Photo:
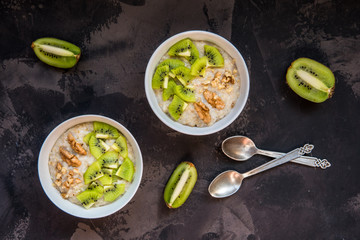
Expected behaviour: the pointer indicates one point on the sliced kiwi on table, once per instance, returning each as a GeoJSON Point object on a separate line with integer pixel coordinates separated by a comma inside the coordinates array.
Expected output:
{"type": "Point", "coordinates": [93, 173]}
{"type": "Point", "coordinates": [107, 178]}
{"type": "Point", "coordinates": [87, 198]}
{"type": "Point", "coordinates": [96, 187]}
{"type": "Point", "coordinates": [97, 147]}
{"type": "Point", "coordinates": [214, 57]}
{"type": "Point", "coordinates": [310, 80]}
{"type": "Point", "coordinates": [109, 159]}
{"type": "Point", "coordinates": [120, 145]}
{"type": "Point", "coordinates": [112, 192]}
{"type": "Point", "coordinates": [87, 137]}
{"type": "Point", "coordinates": [185, 93]}
{"type": "Point", "coordinates": [172, 63]}
{"type": "Point", "coordinates": [199, 67]}
{"type": "Point", "coordinates": [169, 91]}
{"type": "Point", "coordinates": [183, 74]}
{"type": "Point", "coordinates": [160, 74]}
{"type": "Point", "coordinates": [184, 48]}
{"type": "Point", "coordinates": [126, 170]}
{"type": "Point", "coordinates": [180, 185]}
{"type": "Point", "coordinates": [177, 107]}
{"type": "Point", "coordinates": [105, 131]}
{"type": "Point", "coordinates": [56, 52]}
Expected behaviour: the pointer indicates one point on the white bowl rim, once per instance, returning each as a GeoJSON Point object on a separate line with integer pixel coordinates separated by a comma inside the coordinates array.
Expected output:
{"type": "Point", "coordinates": [54, 195]}
{"type": "Point", "coordinates": [220, 124]}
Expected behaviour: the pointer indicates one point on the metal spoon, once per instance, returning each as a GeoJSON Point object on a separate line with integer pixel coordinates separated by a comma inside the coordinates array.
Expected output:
{"type": "Point", "coordinates": [229, 182]}
{"type": "Point", "coordinates": [241, 148]}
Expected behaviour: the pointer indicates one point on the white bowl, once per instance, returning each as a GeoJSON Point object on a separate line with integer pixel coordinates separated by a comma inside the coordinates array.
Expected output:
{"type": "Point", "coordinates": [241, 67]}
{"type": "Point", "coordinates": [53, 193]}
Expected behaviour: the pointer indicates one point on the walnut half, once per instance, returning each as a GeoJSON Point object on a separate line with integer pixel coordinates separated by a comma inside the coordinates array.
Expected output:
{"type": "Point", "coordinates": [214, 100]}
{"type": "Point", "coordinates": [203, 112]}
{"type": "Point", "coordinates": [69, 158]}
{"type": "Point", "coordinates": [77, 147]}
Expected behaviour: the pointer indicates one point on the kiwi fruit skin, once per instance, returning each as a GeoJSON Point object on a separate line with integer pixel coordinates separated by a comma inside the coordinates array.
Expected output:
{"type": "Point", "coordinates": [159, 76]}
{"type": "Point", "coordinates": [214, 57]}
{"type": "Point", "coordinates": [93, 173]}
{"type": "Point", "coordinates": [111, 193]}
{"type": "Point", "coordinates": [126, 170]}
{"type": "Point", "coordinates": [199, 67]}
{"type": "Point", "coordinates": [177, 107]}
{"type": "Point", "coordinates": [186, 188]}
{"type": "Point", "coordinates": [69, 59]}
{"type": "Point", "coordinates": [319, 84]}
{"type": "Point", "coordinates": [185, 93]}
{"type": "Point", "coordinates": [105, 131]}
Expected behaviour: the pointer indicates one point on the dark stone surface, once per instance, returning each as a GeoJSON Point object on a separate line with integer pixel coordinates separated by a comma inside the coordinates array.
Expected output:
{"type": "Point", "coordinates": [117, 39]}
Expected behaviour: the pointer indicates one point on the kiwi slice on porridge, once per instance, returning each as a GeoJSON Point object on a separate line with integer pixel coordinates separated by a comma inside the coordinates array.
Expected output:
{"type": "Point", "coordinates": [184, 48]}
{"type": "Point", "coordinates": [96, 187]}
{"type": "Point", "coordinates": [113, 192]}
{"type": "Point", "coordinates": [97, 147]}
{"type": "Point", "coordinates": [109, 160]}
{"type": "Point", "coordinates": [87, 137]}
{"type": "Point", "coordinates": [107, 178]}
{"type": "Point", "coordinates": [105, 131]}
{"type": "Point", "coordinates": [182, 73]}
{"type": "Point", "coordinates": [169, 91]}
{"type": "Point", "coordinates": [199, 67]}
{"type": "Point", "coordinates": [126, 170]}
{"type": "Point", "coordinates": [177, 107]}
{"type": "Point", "coordinates": [172, 63]}
{"type": "Point", "coordinates": [214, 57]}
{"type": "Point", "coordinates": [92, 173]}
{"type": "Point", "coordinates": [87, 198]}
{"type": "Point", "coordinates": [185, 93]}
{"type": "Point", "coordinates": [160, 74]}
{"type": "Point", "coordinates": [120, 145]}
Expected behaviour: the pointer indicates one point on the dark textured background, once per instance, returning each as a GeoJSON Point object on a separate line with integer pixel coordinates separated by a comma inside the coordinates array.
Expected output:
{"type": "Point", "coordinates": [117, 39]}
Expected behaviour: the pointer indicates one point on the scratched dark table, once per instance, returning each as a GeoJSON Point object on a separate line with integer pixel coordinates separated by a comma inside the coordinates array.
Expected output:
{"type": "Point", "coordinates": [117, 39]}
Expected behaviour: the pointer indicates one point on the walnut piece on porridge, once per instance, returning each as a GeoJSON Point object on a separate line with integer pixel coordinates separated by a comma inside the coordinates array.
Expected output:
{"type": "Point", "coordinates": [203, 112]}
{"type": "Point", "coordinates": [228, 78]}
{"type": "Point", "coordinates": [214, 100]}
{"type": "Point", "coordinates": [69, 158]}
{"type": "Point", "coordinates": [77, 147]}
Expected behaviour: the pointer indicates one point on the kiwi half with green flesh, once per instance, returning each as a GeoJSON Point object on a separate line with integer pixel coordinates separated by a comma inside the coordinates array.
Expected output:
{"type": "Point", "coordinates": [169, 91]}
{"type": "Point", "coordinates": [92, 173]}
{"type": "Point", "coordinates": [111, 193]}
{"type": "Point", "coordinates": [109, 159]}
{"type": "Point", "coordinates": [199, 67]}
{"type": "Point", "coordinates": [87, 137]}
{"type": "Point", "coordinates": [96, 187]}
{"type": "Point", "coordinates": [159, 76]}
{"type": "Point", "coordinates": [105, 131]}
{"type": "Point", "coordinates": [120, 145]}
{"type": "Point", "coordinates": [172, 63]}
{"type": "Point", "coordinates": [56, 52]}
{"type": "Point", "coordinates": [177, 107]}
{"type": "Point", "coordinates": [184, 48]}
{"type": "Point", "coordinates": [180, 185]}
{"type": "Point", "coordinates": [310, 80]}
{"type": "Point", "coordinates": [87, 198]}
{"type": "Point", "coordinates": [214, 57]}
{"type": "Point", "coordinates": [107, 178]}
{"type": "Point", "coordinates": [97, 147]}
{"type": "Point", "coordinates": [183, 74]}
{"type": "Point", "coordinates": [126, 170]}
{"type": "Point", "coordinates": [185, 93]}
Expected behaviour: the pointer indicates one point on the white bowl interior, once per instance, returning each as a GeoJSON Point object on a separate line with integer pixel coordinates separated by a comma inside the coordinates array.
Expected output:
{"type": "Point", "coordinates": [241, 67]}
{"type": "Point", "coordinates": [67, 206]}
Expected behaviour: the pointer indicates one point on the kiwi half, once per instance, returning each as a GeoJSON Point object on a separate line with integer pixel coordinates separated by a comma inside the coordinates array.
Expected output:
{"type": "Point", "coordinates": [199, 67]}
{"type": "Point", "coordinates": [111, 193]}
{"type": "Point", "coordinates": [105, 131]}
{"type": "Point", "coordinates": [180, 185]}
{"type": "Point", "coordinates": [177, 107]}
{"type": "Point", "coordinates": [92, 173]}
{"type": "Point", "coordinates": [310, 80]}
{"type": "Point", "coordinates": [214, 57]}
{"type": "Point", "coordinates": [185, 93]}
{"type": "Point", "coordinates": [56, 52]}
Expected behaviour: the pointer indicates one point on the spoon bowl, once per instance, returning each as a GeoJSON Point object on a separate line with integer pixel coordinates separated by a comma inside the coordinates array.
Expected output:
{"type": "Point", "coordinates": [239, 148]}
{"type": "Point", "coordinates": [226, 184]}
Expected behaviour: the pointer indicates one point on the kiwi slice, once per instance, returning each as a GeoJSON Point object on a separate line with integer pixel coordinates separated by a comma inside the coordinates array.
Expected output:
{"type": "Point", "coordinates": [109, 160]}
{"type": "Point", "coordinates": [214, 57]}
{"type": "Point", "coordinates": [180, 185]}
{"type": "Point", "coordinates": [107, 178]}
{"type": "Point", "coordinates": [87, 198]}
{"type": "Point", "coordinates": [184, 48]}
{"type": "Point", "coordinates": [177, 107]}
{"type": "Point", "coordinates": [92, 173]}
{"type": "Point", "coordinates": [199, 67]}
{"type": "Point", "coordinates": [160, 74]}
{"type": "Point", "coordinates": [169, 91]}
{"type": "Point", "coordinates": [56, 52]}
{"type": "Point", "coordinates": [97, 147]}
{"type": "Point", "coordinates": [114, 177]}
{"type": "Point", "coordinates": [310, 80]}
{"type": "Point", "coordinates": [120, 145]}
{"type": "Point", "coordinates": [172, 63]}
{"type": "Point", "coordinates": [96, 187]}
{"type": "Point", "coordinates": [126, 170]}
{"type": "Point", "coordinates": [105, 131]}
{"type": "Point", "coordinates": [113, 192]}
{"type": "Point", "coordinates": [185, 93]}
{"type": "Point", "coordinates": [183, 74]}
{"type": "Point", "coordinates": [87, 137]}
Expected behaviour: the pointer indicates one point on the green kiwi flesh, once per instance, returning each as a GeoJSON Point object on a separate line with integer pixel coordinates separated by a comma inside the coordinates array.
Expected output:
{"type": "Point", "coordinates": [199, 67]}
{"type": "Point", "coordinates": [107, 178]}
{"type": "Point", "coordinates": [56, 52]}
{"type": "Point", "coordinates": [183, 74]}
{"type": "Point", "coordinates": [169, 91]}
{"type": "Point", "coordinates": [109, 160]}
{"type": "Point", "coordinates": [126, 170]}
{"type": "Point", "coordinates": [172, 63]}
{"type": "Point", "coordinates": [185, 93]}
{"type": "Point", "coordinates": [97, 147]}
{"type": "Point", "coordinates": [160, 74]}
{"type": "Point", "coordinates": [177, 107]}
{"type": "Point", "coordinates": [311, 80]}
{"type": "Point", "coordinates": [120, 145]}
{"type": "Point", "coordinates": [111, 193]}
{"type": "Point", "coordinates": [105, 131]}
{"type": "Point", "coordinates": [87, 198]}
{"type": "Point", "coordinates": [96, 187]}
{"type": "Point", "coordinates": [92, 173]}
{"type": "Point", "coordinates": [180, 185]}
{"type": "Point", "coordinates": [184, 48]}
{"type": "Point", "coordinates": [87, 137]}
{"type": "Point", "coordinates": [214, 57]}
